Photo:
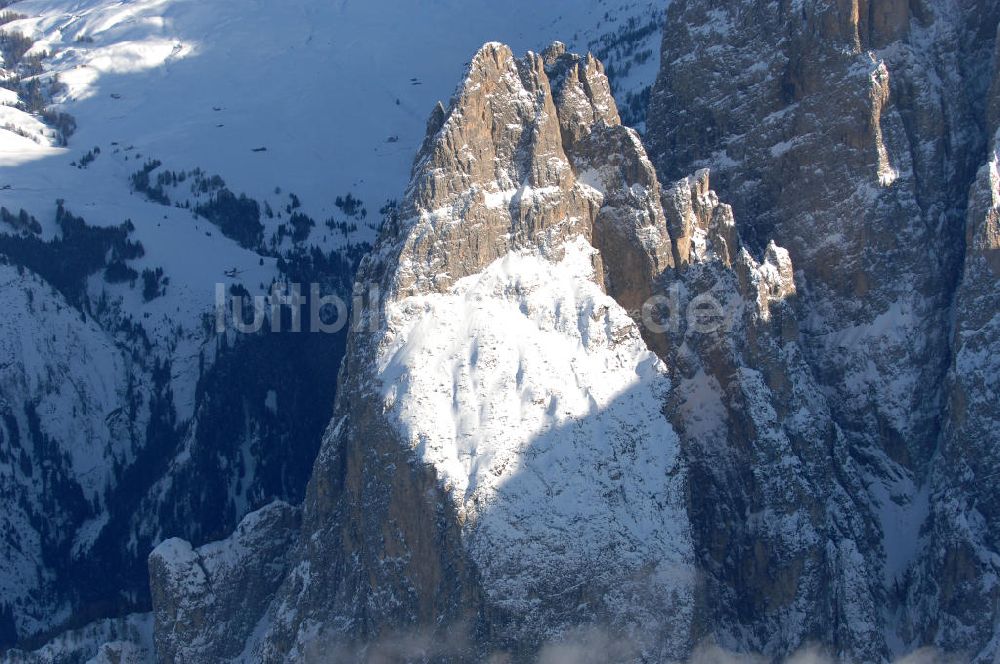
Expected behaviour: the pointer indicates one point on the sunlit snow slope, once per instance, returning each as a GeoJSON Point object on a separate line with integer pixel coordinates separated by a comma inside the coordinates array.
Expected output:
{"type": "Point", "coordinates": [534, 397]}
{"type": "Point", "coordinates": [337, 92]}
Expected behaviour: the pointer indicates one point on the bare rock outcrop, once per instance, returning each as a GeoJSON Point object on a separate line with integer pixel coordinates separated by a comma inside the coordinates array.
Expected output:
{"type": "Point", "coordinates": [208, 599]}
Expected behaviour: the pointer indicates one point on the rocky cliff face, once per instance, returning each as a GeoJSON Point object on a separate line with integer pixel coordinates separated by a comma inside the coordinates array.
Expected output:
{"type": "Point", "coordinates": [851, 134]}
{"type": "Point", "coordinates": [781, 541]}
{"type": "Point", "coordinates": [958, 575]}
{"type": "Point", "coordinates": [581, 397]}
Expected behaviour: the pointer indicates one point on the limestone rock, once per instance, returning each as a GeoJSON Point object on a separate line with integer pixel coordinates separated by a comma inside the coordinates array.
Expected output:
{"type": "Point", "coordinates": [850, 134]}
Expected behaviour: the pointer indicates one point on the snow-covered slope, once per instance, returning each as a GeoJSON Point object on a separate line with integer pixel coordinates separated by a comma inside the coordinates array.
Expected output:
{"type": "Point", "coordinates": [68, 371]}
{"type": "Point", "coordinates": [67, 366]}
{"type": "Point", "coordinates": [533, 396]}
{"type": "Point", "coordinates": [336, 92]}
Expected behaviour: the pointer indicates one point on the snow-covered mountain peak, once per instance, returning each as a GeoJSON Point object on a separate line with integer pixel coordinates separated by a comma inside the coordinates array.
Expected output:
{"type": "Point", "coordinates": [508, 379]}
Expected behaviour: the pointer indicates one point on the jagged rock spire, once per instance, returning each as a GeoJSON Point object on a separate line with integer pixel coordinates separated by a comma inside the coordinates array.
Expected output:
{"type": "Point", "coordinates": [530, 151]}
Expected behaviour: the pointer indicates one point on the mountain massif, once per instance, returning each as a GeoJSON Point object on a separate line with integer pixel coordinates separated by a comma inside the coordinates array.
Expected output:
{"type": "Point", "coordinates": [725, 390]}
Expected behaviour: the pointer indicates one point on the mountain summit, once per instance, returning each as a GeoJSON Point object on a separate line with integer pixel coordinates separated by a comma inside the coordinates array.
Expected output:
{"type": "Point", "coordinates": [498, 452]}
